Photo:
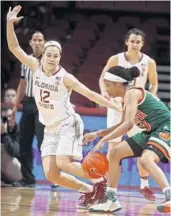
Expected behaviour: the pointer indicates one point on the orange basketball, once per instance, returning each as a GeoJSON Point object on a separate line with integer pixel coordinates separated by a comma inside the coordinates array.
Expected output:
{"type": "Point", "coordinates": [95, 165]}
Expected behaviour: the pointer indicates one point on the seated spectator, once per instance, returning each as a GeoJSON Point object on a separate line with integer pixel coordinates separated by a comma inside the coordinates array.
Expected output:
{"type": "Point", "coordinates": [10, 166]}
{"type": "Point", "coordinates": [10, 96]}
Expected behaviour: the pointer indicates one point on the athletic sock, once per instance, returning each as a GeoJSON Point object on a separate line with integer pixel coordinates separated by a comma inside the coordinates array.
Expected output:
{"type": "Point", "coordinates": [144, 182]}
{"type": "Point", "coordinates": [167, 193]}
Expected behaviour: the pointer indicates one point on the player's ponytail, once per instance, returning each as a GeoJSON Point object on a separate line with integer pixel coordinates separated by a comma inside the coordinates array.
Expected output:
{"type": "Point", "coordinates": [132, 73]}
{"type": "Point", "coordinates": [121, 74]}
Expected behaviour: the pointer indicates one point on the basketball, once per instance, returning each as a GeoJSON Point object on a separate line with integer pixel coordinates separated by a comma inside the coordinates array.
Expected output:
{"type": "Point", "coordinates": [95, 165]}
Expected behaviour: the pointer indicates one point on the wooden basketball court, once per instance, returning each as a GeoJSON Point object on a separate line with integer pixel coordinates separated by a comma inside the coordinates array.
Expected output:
{"type": "Point", "coordinates": [44, 201]}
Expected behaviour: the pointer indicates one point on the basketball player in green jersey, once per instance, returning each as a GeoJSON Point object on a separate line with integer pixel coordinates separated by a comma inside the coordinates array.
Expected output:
{"type": "Point", "coordinates": [134, 40]}
{"type": "Point", "coordinates": [152, 145]}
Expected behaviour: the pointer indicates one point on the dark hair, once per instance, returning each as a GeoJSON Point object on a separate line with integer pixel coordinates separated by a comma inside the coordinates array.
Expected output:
{"type": "Point", "coordinates": [136, 32]}
{"type": "Point", "coordinates": [126, 73]}
{"type": "Point", "coordinates": [38, 32]}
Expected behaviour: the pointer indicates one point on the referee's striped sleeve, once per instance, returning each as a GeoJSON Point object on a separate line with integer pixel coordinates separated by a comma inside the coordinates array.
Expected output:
{"type": "Point", "coordinates": [22, 73]}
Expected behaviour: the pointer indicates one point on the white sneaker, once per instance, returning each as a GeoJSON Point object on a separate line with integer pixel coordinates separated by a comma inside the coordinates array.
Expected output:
{"type": "Point", "coordinates": [115, 206]}
{"type": "Point", "coordinates": [101, 207]}
{"type": "Point", "coordinates": [110, 204]}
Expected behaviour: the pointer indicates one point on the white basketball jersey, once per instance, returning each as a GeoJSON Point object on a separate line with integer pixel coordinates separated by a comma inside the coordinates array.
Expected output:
{"type": "Point", "coordinates": [52, 97]}
{"type": "Point", "coordinates": [142, 65]}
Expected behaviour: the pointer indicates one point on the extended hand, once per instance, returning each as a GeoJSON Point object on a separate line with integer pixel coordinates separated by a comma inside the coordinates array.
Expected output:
{"type": "Point", "coordinates": [89, 137]}
{"type": "Point", "coordinates": [12, 15]}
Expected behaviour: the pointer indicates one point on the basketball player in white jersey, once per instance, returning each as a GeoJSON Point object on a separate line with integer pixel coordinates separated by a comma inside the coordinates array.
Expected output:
{"type": "Point", "coordinates": [63, 127]}
{"type": "Point", "coordinates": [134, 41]}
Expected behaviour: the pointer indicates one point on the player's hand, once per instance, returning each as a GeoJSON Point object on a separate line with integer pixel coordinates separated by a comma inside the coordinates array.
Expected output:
{"type": "Point", "coordinates": [89, 137]}
{"type": "Point", "coordinates": [12, 14]}
{"type": "Point", "coordinates": [98, 147]}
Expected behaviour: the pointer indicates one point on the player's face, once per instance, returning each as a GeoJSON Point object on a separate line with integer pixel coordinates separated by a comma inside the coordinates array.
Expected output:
{"type": "Point", "coordinates": [112, 88]}
{"type": "Point", "coordinates": [134, 43]}
{"type": "Point", "coordinates": [51, 57]}
{"type": "Point", "coordinates": [37, 43]}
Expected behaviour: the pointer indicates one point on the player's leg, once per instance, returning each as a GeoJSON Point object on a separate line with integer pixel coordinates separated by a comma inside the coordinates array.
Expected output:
{"type": "Point", "coordinates": [133, 147]}
{"type": "Point", "coordinates": [121, 151]}
{"type": "Point", "coordinates": [58, 142]}
{"type": "Point", "coordinates": [145, 190]}
{"type": "Point", "coordinates": [91, 193]}
{"type": "Point", "coordinates": [67, 164]}
{"type": "Point", "coordinates": [149, 160]}
{"type": "Point", "coordinates": [69, 148]}
{"type": "Point", "coordinates": [53, 174]}
{"type": "Point", "coordinates": [158, 150]}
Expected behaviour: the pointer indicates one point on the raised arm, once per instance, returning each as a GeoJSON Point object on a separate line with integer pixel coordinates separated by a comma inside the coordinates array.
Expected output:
{"type": "Point", "coordinates": [152, 77]}
{"type": "Point", "coordinates": [112, 61]}
{"type": "Point", "coordinates": [72, 83]}
{"type": "Point", "coordinates": [12, 41]}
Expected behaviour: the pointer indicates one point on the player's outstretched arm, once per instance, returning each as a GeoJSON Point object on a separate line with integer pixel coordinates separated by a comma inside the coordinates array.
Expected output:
{"type": "Point", "coordinates": [72, 83]}
{"type": "Point", "coordinates": [12, 41]}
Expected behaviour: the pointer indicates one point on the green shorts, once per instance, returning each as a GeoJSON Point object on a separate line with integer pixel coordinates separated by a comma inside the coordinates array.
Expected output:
{"type": "Point", "coordinates": [157, 141]}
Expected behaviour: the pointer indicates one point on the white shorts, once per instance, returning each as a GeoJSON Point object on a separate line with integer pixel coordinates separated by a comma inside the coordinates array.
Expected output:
{"type": "Point", "coordinates": [114, 117]}
{"type": "Point", "coordinates": [64, 138]}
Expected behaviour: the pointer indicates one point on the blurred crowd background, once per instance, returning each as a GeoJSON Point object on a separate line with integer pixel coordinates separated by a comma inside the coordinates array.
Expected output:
{"type": "Point", "coordinates": [90, 32]}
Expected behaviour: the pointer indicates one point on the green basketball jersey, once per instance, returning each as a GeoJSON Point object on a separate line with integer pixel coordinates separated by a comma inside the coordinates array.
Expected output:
{"type": "Point", "coordinates": [151, 113]}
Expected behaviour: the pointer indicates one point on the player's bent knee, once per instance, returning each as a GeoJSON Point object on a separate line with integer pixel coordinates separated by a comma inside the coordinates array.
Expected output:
{"type": "Point", "coordinates": [145, 160]}
{"type": "Point", "coordinates": [52, 176]}
{"type": "Point", "coordinates": [63, 164]}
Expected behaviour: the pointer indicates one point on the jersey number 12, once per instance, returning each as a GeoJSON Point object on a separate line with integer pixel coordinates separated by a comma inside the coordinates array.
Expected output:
{"type": "Point", "coordinates": [44, 96]}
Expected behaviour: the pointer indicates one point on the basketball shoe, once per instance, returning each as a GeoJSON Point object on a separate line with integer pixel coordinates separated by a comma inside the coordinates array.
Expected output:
{"type": "Point", "coordinates": [98, 194]}
{"type": "Point", "coordinates": [165, 206]}
{"type": "Point", "coordinates": [148, 193]}
{"type": "Point", "coordinates": [109, 204]}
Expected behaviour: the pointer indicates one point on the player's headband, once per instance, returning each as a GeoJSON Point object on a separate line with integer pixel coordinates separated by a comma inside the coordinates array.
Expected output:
{"type": "Point", "coordinates": [53, 43]}
{"type": "Point", "coordinates": [114, 78]}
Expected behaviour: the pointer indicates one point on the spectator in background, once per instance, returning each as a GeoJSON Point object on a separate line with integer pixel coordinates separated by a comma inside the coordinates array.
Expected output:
{"type": "Point", "coordinates": [10, 96]}
{"type": "Point", "coordinates": [29, 125]}
{"type": "Point", "coordinates": [10, 166]}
